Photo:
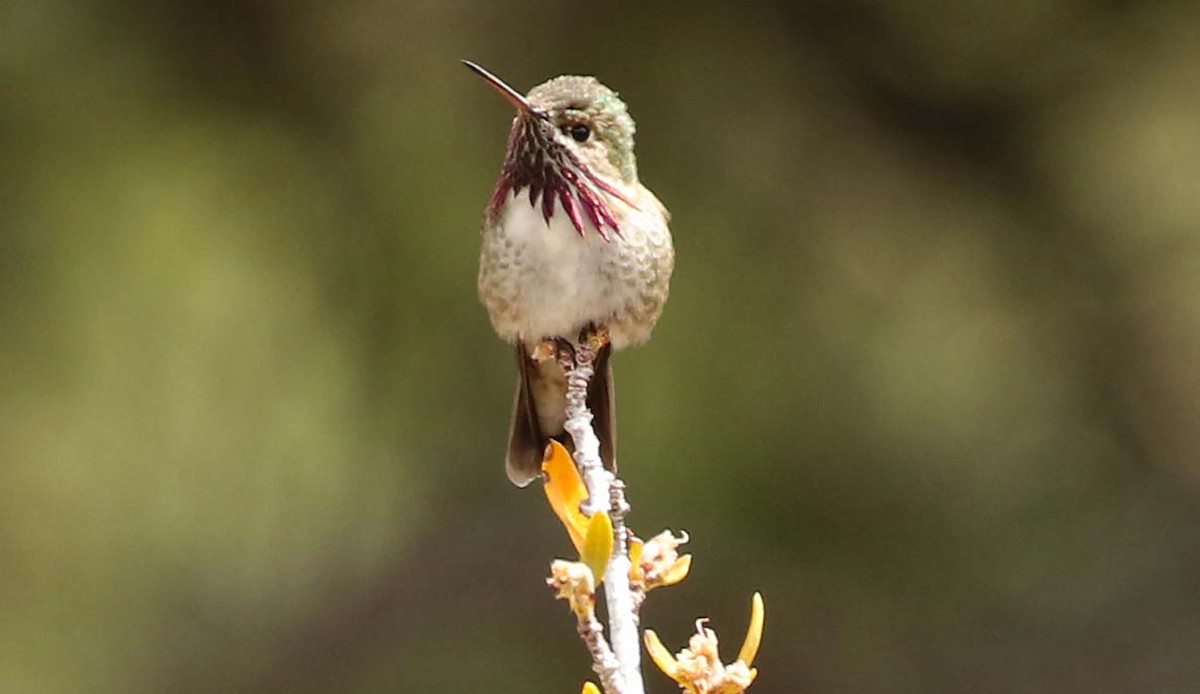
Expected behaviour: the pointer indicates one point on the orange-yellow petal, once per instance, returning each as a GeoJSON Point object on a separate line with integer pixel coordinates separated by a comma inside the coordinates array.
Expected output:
{"type": "Point", "coordinates": [660, 655]}
{"type": "Point", "coordinates": [635, 560]}
{"type": "Point", "coordinates": [753, 632]}
{"type": "Point", "coordinates": [678, 571]}
{"type": "Point", "coordinates": [565, 491]}
{"type": "Point", "coordinates": [635, 550]}
{"type": "Point", "coordinates": [589, 688]}
{"type": "Point", "coordinates": [598, 544]}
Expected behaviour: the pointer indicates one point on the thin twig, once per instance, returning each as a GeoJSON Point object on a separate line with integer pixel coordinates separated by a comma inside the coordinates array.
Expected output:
{"type": "Point", "coordinates": [604, 662]}
{"type": "Point", "coordinates": [605, 493]}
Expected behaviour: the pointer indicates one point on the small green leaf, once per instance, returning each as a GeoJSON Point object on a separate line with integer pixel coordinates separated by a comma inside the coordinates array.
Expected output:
{"type": "Point", "coordinates": [598, 544]}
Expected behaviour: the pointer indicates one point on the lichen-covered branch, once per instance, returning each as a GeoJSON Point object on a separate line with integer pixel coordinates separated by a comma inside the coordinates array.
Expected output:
{"type": "Point", "coordinates": [591, 503]}
{"type": "Point", "coordinates": [605, 494]}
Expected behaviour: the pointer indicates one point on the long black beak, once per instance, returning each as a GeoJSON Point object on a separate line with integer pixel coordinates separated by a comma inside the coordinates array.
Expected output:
{"type": "Point", "coordinates": [514, 97]}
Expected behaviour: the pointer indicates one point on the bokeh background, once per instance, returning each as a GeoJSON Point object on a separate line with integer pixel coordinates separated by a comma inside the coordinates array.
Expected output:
{"type": "Point", "coordinates": [929, 377]}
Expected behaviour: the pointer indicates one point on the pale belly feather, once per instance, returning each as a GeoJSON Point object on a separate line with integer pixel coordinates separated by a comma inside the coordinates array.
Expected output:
{"type": "Point", "coordinates": [540, 280]}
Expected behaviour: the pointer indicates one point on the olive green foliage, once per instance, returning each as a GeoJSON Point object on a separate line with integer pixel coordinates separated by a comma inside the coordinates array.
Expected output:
{"type": "Point", "coordinates": [929, 377]}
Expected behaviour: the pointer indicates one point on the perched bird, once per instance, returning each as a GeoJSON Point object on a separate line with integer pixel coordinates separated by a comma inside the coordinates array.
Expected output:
{"type": "Point", "coordinates": [573, 244]}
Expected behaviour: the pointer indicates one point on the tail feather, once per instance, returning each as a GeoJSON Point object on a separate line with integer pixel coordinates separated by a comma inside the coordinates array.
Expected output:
{"type": "Point", "coordinates": [525, 441]}
{"type": "Point", "coordinates": [538, 415]}
{"type": "Point", "coordinates": [602, 401]}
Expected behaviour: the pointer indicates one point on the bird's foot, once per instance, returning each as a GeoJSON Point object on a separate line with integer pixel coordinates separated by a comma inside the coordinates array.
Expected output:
{"type": "Point", "coordinates": [544, 351]}
{"type": "Point", "coordinates": [595, 336]}
{"type": "Point", "coordinates": [565, 349]}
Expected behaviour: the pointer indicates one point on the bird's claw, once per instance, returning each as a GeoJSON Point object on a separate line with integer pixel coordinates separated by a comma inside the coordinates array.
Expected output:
{"type": "Point", "coordinates": [595, 336]}
{"type": "Point", "coordinates": [543, 351]}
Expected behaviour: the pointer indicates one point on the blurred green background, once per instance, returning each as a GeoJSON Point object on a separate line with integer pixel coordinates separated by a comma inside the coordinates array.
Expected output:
{"type": "Point", "coordinates": [929, 377]}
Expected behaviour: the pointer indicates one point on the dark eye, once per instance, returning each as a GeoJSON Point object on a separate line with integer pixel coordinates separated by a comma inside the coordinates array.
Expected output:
{"type": "Point", "coordinates": [580, 132]}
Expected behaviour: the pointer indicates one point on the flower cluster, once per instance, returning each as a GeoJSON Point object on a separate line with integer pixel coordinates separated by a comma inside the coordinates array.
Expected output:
{"type": "Point", "coordinates": [698, 669]}
{"type": "Point", "coordinates": [574, 582]}
{"type": "Point", "coordinates": [655, 563]}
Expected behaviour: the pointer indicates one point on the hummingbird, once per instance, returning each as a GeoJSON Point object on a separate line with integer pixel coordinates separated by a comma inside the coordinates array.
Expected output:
{"type": "Point", "coordinates": [574, 246]}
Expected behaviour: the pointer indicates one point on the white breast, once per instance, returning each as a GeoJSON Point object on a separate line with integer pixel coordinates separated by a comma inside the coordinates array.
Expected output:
{"type": "Point", "coordinates": [561, 281]}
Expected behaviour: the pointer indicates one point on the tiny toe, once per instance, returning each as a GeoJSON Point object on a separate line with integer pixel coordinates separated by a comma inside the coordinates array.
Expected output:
{"type": "Point", "coordinates": [543, 351]}
{"type": "Point", "coordinates": [596, 336]}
